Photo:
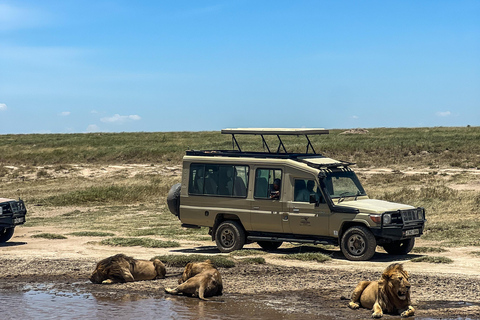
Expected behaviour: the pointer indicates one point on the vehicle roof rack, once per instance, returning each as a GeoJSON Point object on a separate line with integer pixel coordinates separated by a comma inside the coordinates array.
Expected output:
{"type": "Point", "coordinates": [276, 132]}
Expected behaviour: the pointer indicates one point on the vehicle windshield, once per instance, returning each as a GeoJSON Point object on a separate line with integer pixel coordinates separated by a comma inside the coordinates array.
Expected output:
{"type": "Point", "coordinates": [343, 183]}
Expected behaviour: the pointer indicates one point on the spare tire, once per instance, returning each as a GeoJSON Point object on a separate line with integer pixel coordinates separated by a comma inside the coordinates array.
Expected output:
{"type": "Point", "coordinates": [173, 199]}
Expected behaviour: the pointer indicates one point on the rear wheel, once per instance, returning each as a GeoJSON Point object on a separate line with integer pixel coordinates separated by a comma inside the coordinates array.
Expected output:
{"type": "Point", "coordinates": [358, 244]}
{"type": "Point", "coordinates": [269, 245]}
{"type": "Point", "coordinates": [230, 236]}
{"type": "Point", "coordinates": [6, 234]}
{"type": "Point", "coordinates": [400, 247]}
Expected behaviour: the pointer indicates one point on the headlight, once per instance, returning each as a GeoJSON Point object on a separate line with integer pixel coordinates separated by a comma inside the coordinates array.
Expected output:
{"type": "Point", "coordinates": [419, 214]}
{"type": "Point", "coordinates": [387, 218]}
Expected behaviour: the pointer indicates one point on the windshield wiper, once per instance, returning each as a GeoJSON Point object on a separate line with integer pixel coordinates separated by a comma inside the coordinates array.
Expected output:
{"type": "Point", "coordinates": [358, 194]}
{"type": "Point", "coordinates": [342, 196]}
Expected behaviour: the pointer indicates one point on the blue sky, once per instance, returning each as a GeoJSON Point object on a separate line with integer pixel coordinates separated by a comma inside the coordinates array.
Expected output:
{"type": "Point", "coordinates": [113, 66]}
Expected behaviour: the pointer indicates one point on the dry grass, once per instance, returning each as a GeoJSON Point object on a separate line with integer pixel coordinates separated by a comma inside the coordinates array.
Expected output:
{"type": "Point", "coordinates": [64, 179]}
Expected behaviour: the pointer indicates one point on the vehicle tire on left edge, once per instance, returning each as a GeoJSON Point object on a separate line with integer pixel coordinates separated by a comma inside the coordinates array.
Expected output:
{"type": "Point", "coordinates": [6, 234]}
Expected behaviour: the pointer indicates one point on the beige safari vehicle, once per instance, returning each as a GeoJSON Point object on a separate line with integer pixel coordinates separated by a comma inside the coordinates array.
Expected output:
{"type": "Point", "coordinates": [274, 196]}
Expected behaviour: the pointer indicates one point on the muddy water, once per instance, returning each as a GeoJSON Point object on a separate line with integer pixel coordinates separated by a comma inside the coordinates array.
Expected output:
{"type": "Point", "coordinates": [44, 302]}
{"type": "Point", "coordinates": [36, 304]}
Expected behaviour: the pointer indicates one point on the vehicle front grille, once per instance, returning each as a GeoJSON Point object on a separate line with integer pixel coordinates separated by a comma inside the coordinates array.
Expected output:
{"type": "Point", "coordinates": [401, 216]}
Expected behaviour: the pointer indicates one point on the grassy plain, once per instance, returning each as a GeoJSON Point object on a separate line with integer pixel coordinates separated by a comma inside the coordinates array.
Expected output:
{"type": "Point", "coordinates": [117, 182]}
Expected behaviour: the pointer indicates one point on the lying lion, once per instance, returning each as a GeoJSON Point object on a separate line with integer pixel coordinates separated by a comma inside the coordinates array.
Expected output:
{"type": "Point", "coordinates": [390, 294]}
{"type": "Point", "coordinates": [120, 268]}
{"type": "Point", "coordinates": [200, 279]}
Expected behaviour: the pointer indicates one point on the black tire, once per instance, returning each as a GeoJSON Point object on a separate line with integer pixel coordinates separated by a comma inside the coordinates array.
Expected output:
{"type": "Point", "coordinates": [229, 236]}
{"type": "Point", "coordinates": [173, 199]}
{"type": "Point", "coordinates": [358, 244]}
{"type": "Point", "coordinates": [400, 247]}
{"type": "Point", "coordinates": [269, 245]}
{"type": "Point", "coordinates": [6, 234]}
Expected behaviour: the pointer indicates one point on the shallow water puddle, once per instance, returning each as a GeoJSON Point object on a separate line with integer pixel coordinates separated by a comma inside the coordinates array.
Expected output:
{"type": "Point", "coordinates": [36, 304]}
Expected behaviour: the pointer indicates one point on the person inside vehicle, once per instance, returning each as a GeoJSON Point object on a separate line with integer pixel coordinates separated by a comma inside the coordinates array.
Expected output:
{"type": "Point", "coordinates": [275, 193]}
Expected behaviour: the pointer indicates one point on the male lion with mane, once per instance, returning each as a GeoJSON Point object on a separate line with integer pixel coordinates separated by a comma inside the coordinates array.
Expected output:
{"type": "Point", "coordinates": [121, 268]}
{"type": "Point", "coordinates": [391, 294]}
{"type": "Point", "coordinates": [200, 279]}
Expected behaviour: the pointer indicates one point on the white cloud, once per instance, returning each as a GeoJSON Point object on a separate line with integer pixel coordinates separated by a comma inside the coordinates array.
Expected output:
{"type": "Point", "coordinates": [16, 17]}
{"type": "Point", "coordinates": [121, 119]}
{"type": "Point", "coordinates": [354, 117]}
{"type": "Point", "coordinates": [93, 128]}
{"type": "Point", "coordinates": [443, 113]}
{"type": "Point", "coordinates": [3, 107]}
{"type": "Point", "coordinates": [65, 113]}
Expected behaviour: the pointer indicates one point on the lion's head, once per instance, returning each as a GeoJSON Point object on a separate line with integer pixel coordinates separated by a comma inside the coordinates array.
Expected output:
{"type": "Point", "coordinates": [111, 268]}
{"type": "Point", "coordinates": [194, 268]}
{"type": "Point", "coordinates": [395, 282]}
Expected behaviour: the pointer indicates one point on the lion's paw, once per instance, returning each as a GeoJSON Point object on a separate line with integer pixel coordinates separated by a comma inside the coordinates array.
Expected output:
{"type": "Point", "coordinates": [169, 290]}
{"type": "Point", "coordinates": [108, 281]}
{"type": "Point", "coordinates": [353, 305]}
{"type": "Point", "coordinates": [408, 313]}
{"type": "Point", "coordinates": [377, 315]}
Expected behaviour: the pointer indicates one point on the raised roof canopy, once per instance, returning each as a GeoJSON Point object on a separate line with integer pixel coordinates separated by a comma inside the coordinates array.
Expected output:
{"type": "Point", "coordinates": [276, 131]}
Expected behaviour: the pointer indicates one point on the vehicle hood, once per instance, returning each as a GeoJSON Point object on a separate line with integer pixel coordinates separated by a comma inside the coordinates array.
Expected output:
{"type": "Point", "coordinates": [373, 205]}
{"type": "Point", "coordinates": [5, 200]}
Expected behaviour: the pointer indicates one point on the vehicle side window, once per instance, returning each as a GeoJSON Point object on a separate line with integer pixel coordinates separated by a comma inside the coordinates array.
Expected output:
{"type": "Point", "coordinates": [196, 182]}
{"type": "Point", "coordinates": [216, 179]}
{"type": "Point", "coordinates": [268, 183]}
{"type": "Point", "coordinates": [303, 188]}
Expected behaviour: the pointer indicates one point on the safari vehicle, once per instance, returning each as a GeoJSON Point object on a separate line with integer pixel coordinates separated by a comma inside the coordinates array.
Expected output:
{"type": "Point", "coordinates": [12, 214]}
{"type": "Point", "coordinates": [277, 196]}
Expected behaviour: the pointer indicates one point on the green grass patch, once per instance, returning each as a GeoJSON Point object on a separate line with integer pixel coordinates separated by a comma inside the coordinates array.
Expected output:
{"type": "Point", "coordinates": [142, 242]}
{"type": "Point", "coordinates": [182, 260]}
{"type": "Point", "coordinates": [431, 259]}
{"type": "Point", "coordinates": [91, 234]}
{"type": "Point", "coordinates": [247, 252]}
{"type": "Point", "coordinates": [454, 233]}
{"type": "Point", "coordinates": [52, 236]}
{"type": "Point", "coordinates": [428, 250]}
{"type": "Point", "coordinates": [253, 260]}
{"type": "Point", "coordinates": [308, 256]}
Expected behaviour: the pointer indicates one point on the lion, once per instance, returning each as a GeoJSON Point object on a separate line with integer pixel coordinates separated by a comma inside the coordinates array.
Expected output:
{"type": "Point", "coordinates": [391, 294]}
{"type": "Point", "coordinates": [121, 268]}
{"type": "Point", "coordinates": [200, 279]}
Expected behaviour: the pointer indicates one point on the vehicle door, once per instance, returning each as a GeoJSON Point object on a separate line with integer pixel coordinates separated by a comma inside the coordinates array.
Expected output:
{"type": "Point", "coordinates": [267, 205]}
{"type": "Point", "coordinates": [305, 217]}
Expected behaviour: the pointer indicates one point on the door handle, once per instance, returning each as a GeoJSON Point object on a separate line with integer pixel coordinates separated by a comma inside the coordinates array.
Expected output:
{"type": "Point", "coordinates": [256, 208]}
{"type": "Point", "coordinates": [296, 210]}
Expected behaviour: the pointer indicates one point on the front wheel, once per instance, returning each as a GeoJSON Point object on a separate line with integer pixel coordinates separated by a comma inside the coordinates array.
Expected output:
{"type": "Point", "coordinates": [269, 245]}
{"type": "Point", "coordinates": [230, 236]}
{"type": "Point", "coordinates": [6, 234]}
{"type": "Point", "coordinates": [358, 244]}
{"type": "Point", "coordinates": [400, 247]}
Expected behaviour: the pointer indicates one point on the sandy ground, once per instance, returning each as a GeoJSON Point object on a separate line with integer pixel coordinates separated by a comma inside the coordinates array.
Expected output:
{"type": "Point", "coordinates": [439, 291]}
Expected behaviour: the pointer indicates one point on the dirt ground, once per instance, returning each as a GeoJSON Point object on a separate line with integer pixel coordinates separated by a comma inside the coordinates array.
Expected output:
{"type": "Point", "coordinates": [322, 289]}
{"type": "Point", "coordinates": [439, 291]}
